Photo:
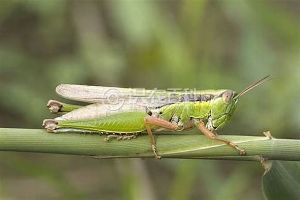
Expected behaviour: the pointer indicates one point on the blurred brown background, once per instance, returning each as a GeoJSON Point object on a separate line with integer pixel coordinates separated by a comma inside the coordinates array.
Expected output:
{"type": "Point", "coordinates": [153, 44]}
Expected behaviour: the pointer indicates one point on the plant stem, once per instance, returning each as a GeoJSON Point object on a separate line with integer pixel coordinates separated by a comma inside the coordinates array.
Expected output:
{"type": "Point", "coordinates": [177, 145]}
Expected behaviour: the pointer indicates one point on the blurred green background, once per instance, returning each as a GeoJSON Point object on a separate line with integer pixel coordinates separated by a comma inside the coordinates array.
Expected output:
{"type": "Point", "coordinates": [153, 44]}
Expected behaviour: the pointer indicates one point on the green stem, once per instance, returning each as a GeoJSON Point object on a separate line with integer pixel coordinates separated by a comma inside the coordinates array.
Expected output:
{"type": "Point", "coordinates": [187, 146]}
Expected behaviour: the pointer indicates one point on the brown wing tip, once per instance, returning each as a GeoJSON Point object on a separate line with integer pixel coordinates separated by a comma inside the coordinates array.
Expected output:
{"type": "Point", "coordinates": [60, 88]}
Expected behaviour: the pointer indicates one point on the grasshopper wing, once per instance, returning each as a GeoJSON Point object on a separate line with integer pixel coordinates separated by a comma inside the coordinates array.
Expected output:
{"type": "Point", "coordinates": [116, 95]}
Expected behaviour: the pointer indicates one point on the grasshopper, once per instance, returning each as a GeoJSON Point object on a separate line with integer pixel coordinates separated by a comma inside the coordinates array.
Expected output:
{"type": "Point", "coordinates": [124, 113]}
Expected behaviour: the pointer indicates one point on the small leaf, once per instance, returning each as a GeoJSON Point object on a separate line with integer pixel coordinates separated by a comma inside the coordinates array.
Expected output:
{"type": "Point", "coordinates": [282, 181]}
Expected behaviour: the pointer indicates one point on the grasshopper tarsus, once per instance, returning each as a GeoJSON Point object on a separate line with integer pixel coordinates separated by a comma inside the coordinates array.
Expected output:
{"type": "Point", "coordinates": [268, 135]}
{"type": "Point", "coordinates": [155, 152]}
{"type": "Point", "coordinates": [265, 163]}
{"type": "Point", "coordinates": [241, 151]}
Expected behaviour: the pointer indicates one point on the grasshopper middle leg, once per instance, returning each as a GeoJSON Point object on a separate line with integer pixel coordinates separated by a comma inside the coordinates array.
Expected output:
{"type": "Point", "coordinates": [157, 122]}
{"type": "Point", "coordinates": [201, 126]}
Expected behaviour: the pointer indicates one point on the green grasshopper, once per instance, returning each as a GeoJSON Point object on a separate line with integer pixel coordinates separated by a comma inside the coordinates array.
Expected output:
{"type": "Point", "coordinates": [124, 113]}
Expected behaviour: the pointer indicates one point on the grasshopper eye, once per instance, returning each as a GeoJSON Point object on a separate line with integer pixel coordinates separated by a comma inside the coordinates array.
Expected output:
{"type": "Point", "coordinates": [227, 96]}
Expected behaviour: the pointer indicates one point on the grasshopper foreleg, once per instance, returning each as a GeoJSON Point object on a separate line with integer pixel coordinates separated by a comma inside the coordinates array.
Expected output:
{"type": "Point", "coordinates": [157, 122]}
{"type": "Point", "coordinates": [201, 126]}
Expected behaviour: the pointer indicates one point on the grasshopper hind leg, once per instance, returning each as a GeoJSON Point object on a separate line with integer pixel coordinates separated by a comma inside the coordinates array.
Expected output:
{"type": "Point", "coordinates": [52, 126]}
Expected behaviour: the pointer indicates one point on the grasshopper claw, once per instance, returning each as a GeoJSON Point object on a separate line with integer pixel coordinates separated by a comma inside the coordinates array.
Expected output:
{"type": "Point", "coordinates": [242, 152]}
{"type": "Point", "coordinates": [50, 125]}
{"type": "Point", "coordinates": [54, 106]}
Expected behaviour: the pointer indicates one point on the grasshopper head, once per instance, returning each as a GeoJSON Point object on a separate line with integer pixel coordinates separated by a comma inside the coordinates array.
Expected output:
{"type": "Point", "coordinates": [222, 109]}
{"type": "Point", "coordinates": [223, 105]}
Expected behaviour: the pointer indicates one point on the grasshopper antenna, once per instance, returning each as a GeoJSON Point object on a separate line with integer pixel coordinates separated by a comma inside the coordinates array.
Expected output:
{"type": "Point", "coordinates": [252, 86]}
